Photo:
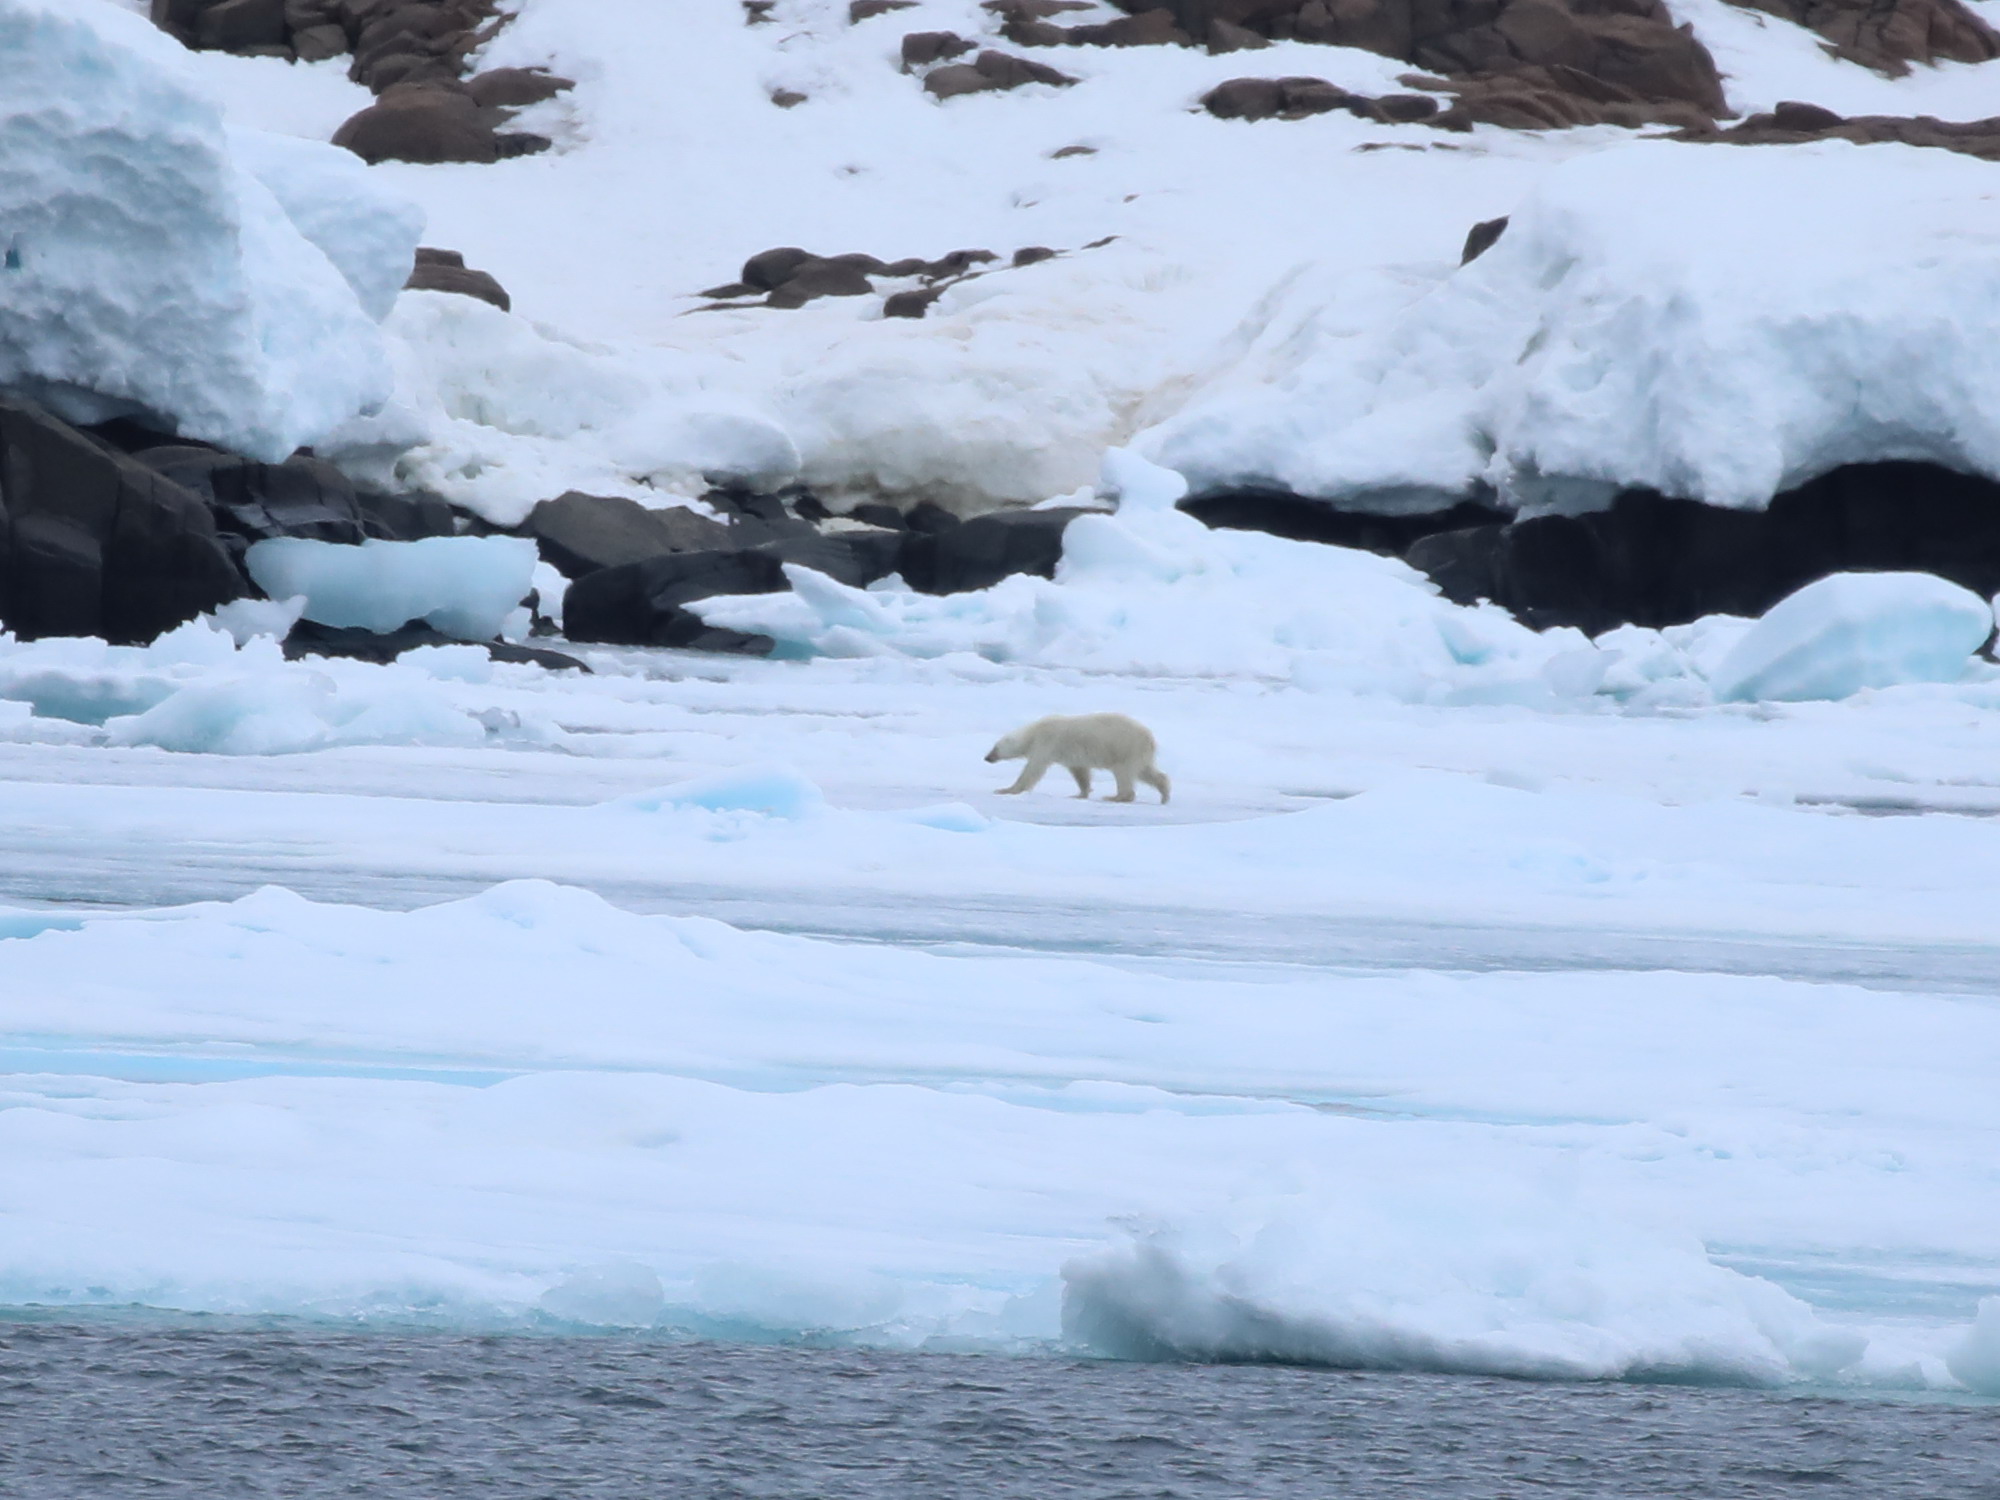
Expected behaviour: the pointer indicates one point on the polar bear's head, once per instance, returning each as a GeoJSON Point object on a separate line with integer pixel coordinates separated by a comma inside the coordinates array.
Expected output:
{"type": "Point", "coordinates": [1009, 747]}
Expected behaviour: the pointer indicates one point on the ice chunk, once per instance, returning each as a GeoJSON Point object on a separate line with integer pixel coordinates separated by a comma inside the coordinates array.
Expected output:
{"type": "Point", "coordinates": [1500, 1283]}
{"type": "Point", "coordinates": [280, 713]}
{"type": "Point", "coordinates": [464, 586]}
{"type": "Point", "coordinates": [1852, 631]}
{"type": "Point", "coordinates": [618, 1294]}
{"type": "Point", "coordinates": [1975, 1359]}
{"type": "Point", "coordinates": [147, 270]}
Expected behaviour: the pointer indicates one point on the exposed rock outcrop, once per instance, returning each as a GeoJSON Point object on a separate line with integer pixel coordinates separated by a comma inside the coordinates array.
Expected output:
{"type": "Point", "coordinates": [1791, 123]}
{"type": "Point", "coordinates": [93, 542]}
{"type": "Point", "coordinates": [446, 271]}
{"type": "Point", "coordinates": [1650, 560]}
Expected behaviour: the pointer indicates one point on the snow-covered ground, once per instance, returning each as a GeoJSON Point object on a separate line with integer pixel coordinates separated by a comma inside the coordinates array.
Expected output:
{"type": "Point", "coordinates": [1483, 999]}
{"type": "Point", "coordinates": [1556, 1042]}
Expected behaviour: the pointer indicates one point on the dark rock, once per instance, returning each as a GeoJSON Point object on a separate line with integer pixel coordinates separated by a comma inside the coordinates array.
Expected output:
{"type": "Point", "coordinates": [236, 25]}
{"type": "Point", "coordinates": [787, 98]}
{"type": "Point", "coordinates": [1656, 561]}
{"type": "Point", "coordinates": [728, 291]}
{"type": "Point", "coordinates": [307, 639]}
{"type": "Point", "coordinates": [1792, 115]}
{"type": "Point", "coordinates": [515, 143]}
{"type": "Point", "coordinates": [819, 278]}
{"type": "Point", "coordinates": [1790, 124]}
{"type": "Point", "coordinates": [1480, 238]}
{"type": "Point", "coordinates": [421, 125]}
{"type": "Point", "coordinates": [404, 518]}
{"type": "Point", "coordinates": [922, 48]}
{"type": "Point", "coordinates": [878, 513]}
{"type": "Point", "coordinates": [1032, 254]}
{"type": "Point", "coordinates": [1273, 98]}
{"type": "Point", "coordinates": [768, 270]}
{"type": "Point", "coordinates": [1889, 35]}
{"type": "Point", "coordinates": [758, 12]}
{"type": "Point", "coordinates": [1406, 109]}
{"type": "Point", "coordinates": [93, 542]}
{"type": "Point", "coordinates": [386, 71]}
{"type": "Point", "coordinates": [1010, 72]}
{"type": "Point", "coordinates": [955, 79]}
{"type": "Point", "coordinates": [1067, 151]}
{"type": "Point", "coordinates": [957, 263]}
{"type": "Point", "coordinates": [643, 603]}
{"type": "Point", "coordinates": [978, 553]}
{"type": "Point", "coordinates": [1227, 36]}
{"type": "Point", "coordinates": [515, 88]}
{"type": "Point", "coordinates": [931, 518]}
{"type": "Point", "coordinates": [581, 533]}
{"type": "Point", "coordinates": [251, 501]}
{"type": "Point", "coordinates": [910, 304]}
{"type": "Point", "coordinates": [318, 43]}
{"type": "Point", "coordinates": [1281, 513]}
{"type": "Point", "coordinates": [446, 271]}
{"type": "Point", "coordinates": [866, 10]}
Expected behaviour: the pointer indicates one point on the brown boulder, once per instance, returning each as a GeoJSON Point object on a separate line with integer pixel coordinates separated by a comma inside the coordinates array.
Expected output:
{"type": "Point", "coordinates": [768, 270]}
{"type": "Point", "coordinates": [864, 10]}
{"type": "Point", "coordinates": [1009, 72]}
{"type": "Point", "coordinates": [954, 79]}
{"type": "Point", "coordinates": [515, 88]}
{"type": "Point", "coordinates": [421, 125]}
{"type": "Point", "coordinates": [446, 271]}
{"type": "Point", "coordinates": [1889, 35]}
{"type": "Point", "coordinates": [922, 48]}
{"type": "Point", "coordinates": [235, 25]}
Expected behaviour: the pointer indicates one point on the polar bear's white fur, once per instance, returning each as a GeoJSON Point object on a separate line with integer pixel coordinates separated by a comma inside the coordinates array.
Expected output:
{"type": "Point", "coordinates": [1082, 743]}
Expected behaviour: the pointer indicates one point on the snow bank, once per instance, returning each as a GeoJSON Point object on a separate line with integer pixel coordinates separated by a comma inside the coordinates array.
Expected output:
{"type": "Point", "coordinates": [148, 266]}
{"type": "Point", "coordinates": [1716, 324]}
{"type": "Point", "coordinates": [1151, 590]}
{"type": "Point", "coordinates": [197, 690]}
{"type": "Point", "coordinates": [1505, 1284]}
{"type": "Point", "coordinates": [469, 587]}
{"type": "Point", "coordinates": [1852, 631]}
{"type": "Point", "coordinates": [496, 413]}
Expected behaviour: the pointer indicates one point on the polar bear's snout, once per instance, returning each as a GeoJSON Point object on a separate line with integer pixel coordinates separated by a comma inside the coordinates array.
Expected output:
{"type": "Point", "coordinates": [1083, 743]}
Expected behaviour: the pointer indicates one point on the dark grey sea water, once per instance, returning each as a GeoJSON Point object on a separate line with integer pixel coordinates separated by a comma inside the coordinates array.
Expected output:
{"type": "Point", "coordinates": [101, 1412]}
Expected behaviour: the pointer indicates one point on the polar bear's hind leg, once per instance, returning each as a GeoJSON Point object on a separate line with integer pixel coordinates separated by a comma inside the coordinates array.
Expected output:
{"type": "Point", "coordinates": [1157, 780]}
{"type": "Point", "coordinates": [1082, 775]}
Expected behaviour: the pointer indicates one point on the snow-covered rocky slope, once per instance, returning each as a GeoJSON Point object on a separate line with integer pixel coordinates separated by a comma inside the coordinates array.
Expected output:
{"type": "Point", "coordinates": [1272, 299]}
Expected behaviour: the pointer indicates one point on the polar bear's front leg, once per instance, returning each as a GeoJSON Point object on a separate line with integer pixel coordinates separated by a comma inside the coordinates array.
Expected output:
{"type": "Point", "coordinates": [1031, 773]}
{"type": "Point", "coordinates": [1082, 775]}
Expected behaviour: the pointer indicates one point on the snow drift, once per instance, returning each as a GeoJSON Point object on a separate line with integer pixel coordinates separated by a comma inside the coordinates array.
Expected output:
{"type": "Point", "coordinates": [1718, 324]}
{"type": "Point", "coordinates": [155, 263]}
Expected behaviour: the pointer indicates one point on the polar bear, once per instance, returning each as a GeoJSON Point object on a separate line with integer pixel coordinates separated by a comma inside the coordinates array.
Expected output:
{"type": "Point", "coordinates": [1083, 743]}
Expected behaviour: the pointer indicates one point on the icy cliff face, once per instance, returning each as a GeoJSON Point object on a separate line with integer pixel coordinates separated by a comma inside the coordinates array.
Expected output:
{"type": "Point", "coordinates": [149, 268]}
{"type": "Point", "coordinates": [1714, 324]}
